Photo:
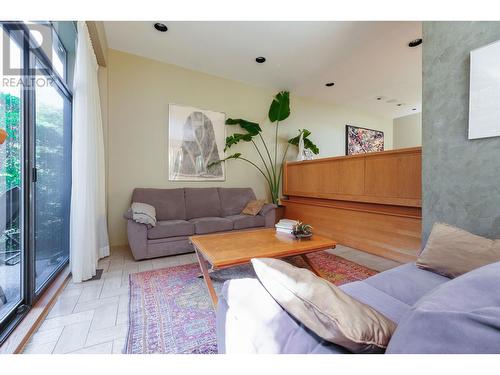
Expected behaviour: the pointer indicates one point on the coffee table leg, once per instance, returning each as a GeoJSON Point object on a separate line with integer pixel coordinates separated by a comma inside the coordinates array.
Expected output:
{"type": "Point", "coordinates": [206, 277]}
{"type": "Point", "coordinates": [310, 265]}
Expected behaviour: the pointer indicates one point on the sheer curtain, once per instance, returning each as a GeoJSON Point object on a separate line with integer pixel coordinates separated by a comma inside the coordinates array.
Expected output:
{"type": "Point", "coordinates": [88, 227]}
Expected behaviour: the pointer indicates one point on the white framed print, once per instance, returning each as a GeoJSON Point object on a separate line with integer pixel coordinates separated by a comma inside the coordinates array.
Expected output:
{"type": "Point", "coordinates": [484, 93]}
{"type": "Point", "coordinates": [196, 139]}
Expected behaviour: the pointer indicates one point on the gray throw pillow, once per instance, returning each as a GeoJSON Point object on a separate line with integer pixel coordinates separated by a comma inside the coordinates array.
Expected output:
{"type": "Point", "coordinates": [324, 308]}
{"type": "Point", "coordinates": [143, 213]}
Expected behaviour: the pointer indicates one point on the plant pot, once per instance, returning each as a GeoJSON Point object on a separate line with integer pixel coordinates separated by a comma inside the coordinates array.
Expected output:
{"type": "Point", "coordinates": [303, 236]}
{"type": "Point", "coordinates": [280, 213]}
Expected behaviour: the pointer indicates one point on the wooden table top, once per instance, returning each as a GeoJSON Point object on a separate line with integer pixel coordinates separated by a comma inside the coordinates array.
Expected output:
{"type": "Point", "coordinates": [233, 248]}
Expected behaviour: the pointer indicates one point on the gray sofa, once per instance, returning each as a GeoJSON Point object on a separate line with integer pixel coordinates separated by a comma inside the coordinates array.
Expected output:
{"type": "Point", "coordinates": [184, 212]}
{"type": "Point", "coordinates": [434, 314]}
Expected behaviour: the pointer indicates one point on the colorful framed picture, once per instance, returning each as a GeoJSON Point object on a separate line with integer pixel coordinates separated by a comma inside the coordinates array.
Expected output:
{"type": "Point", "coordinates": [196, 139]}
{"type": "Point", "coordinates": [362, 140]}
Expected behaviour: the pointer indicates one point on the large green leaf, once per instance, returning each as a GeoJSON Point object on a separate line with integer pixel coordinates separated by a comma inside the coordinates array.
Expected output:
{"type": "Point", "coordinates": [280, 107]}
{"type": "Point", "coordinates": [311, 146]}
{"type": "Point", "coordinates": [233, 156]}
{"type": "Point", "coordinates": [295, 140]}
{"type": "Point", "coordinates": [237, 138]}
{"type": "Point", "coordinates": [307, 142]}
{"type": "Point", "coordinates": [251, 127]}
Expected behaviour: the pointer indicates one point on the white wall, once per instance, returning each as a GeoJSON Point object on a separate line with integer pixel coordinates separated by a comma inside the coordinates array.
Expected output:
{"type": "Point", "coordinates": [139, 91]}
{"type": "Point", "coordinates": [407, 131]}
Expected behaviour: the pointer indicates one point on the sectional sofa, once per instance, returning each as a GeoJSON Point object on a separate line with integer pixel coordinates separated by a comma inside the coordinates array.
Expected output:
{"type": "Point", "coordinates": [184, 212]}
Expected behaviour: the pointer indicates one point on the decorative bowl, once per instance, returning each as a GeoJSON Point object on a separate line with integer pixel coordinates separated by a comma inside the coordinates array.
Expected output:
{"type": "Point", "coordinates": [303, 236]}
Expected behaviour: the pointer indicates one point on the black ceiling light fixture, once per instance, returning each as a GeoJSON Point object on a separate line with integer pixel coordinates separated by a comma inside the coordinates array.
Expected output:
{"type": "Point", "coordinates": [329, 84]}
{"type": "Point", "coordinates": [415, 42]}
{"type": "Point", "coordinates": [260, 59]}
{"type": "Point", "coordinates": [161, 27]}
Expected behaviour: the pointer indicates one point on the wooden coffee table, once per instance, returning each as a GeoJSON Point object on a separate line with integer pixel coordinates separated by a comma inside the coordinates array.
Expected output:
{"type": "Point", "coordinates": [223, 250]}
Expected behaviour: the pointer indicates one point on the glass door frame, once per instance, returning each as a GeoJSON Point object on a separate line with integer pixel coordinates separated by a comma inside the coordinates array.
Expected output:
{"type": "Point", "coordinates": [29, 296]}
{"type": "Point", "coordinates": [67, 118]}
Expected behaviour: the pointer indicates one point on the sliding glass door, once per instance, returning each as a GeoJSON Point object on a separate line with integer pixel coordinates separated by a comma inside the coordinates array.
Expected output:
{"type": "Point", "coordinates": [52, 180]}
{"type": "Point", "coordinates": [35, 163]}
{"type": "Point", "coordinates": [11, 187]}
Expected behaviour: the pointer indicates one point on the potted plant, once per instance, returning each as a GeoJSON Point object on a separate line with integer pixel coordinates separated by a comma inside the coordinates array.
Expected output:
{"type": "Point", "coordinates": [301, 230]}
{"type": "Point", "coordinates": [272, 166]}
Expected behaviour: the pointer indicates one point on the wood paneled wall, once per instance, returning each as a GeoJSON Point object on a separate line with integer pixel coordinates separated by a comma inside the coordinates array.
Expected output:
{"type": "Point", "coordinates": [371, 202]}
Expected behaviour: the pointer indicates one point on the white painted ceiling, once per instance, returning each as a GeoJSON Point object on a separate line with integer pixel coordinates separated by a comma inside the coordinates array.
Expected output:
{"type": "Point", "coordinates": [364, 59]}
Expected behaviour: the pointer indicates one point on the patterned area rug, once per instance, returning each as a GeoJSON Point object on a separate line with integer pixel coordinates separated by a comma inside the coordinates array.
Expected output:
{"type": "Point", "coordinates": [170, 310]}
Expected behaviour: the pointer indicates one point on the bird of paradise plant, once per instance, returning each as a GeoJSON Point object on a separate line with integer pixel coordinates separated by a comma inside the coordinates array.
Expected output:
{"type": "Point", "coordinates": [271, 169]}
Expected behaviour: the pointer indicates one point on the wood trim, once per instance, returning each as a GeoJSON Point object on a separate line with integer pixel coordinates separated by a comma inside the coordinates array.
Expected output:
{"type": "Point", "coordinates": [410, 212]}
{"type": "Point", "coordinates": [394, 201]}
{"type": "Point", "coordinates": [401, 151]}
{"type": "Point", "coordinates": [30, 323]}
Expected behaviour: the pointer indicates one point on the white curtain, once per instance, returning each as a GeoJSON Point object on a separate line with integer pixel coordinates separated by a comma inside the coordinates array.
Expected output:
{"type": "Point", "coordinates": [88, 228]}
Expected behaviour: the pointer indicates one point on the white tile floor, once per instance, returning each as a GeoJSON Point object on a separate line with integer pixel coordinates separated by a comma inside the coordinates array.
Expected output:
{"type": "Point", "coordinates": [92, 317]}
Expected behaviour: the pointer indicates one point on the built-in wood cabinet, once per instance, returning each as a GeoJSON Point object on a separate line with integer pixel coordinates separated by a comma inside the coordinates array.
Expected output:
{"type": "Point", "coordinates": [371, 201]}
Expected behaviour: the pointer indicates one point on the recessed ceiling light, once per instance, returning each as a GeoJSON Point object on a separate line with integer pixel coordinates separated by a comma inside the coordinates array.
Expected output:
{"type": "Point", "coordinates": [329, 84]}
{"type": "Point", "coordinates": [160, 27]}
{"type": "Point", "coordinates": [260, 59]}
{"type": "Point", "coordinates": [415, 42]}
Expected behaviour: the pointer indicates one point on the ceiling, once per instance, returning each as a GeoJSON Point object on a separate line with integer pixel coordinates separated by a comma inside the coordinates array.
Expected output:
{"type": "Point", "coordinates": [366, 60]}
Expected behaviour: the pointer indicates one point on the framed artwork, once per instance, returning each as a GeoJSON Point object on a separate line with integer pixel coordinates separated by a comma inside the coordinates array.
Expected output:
{"type": "Point", "coordinates": [196, 138]}
{"type": "Point", "coordinates": [362, 140]}
{"type": "Point", "coordinates": [484, 95]}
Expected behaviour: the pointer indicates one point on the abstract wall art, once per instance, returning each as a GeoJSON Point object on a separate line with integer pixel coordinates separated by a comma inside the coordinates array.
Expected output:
{"type": "Point", "coordinates": [195, 139]}
{"type": "Point", "coordinates": [361, 140]}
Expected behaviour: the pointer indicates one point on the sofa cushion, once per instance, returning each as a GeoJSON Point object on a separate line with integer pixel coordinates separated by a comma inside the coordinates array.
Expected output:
{"type": "Point", "coordinates": [452, 251]}
{"type": "Point", "coordinates": [234, 200]}
{"type": "Point", "coordinates": [460, 316]}
{"type": "Point", "coordinates": [169, 203]}
{"type": "Point", "coordinates": [407, 283]}
{"type": "Point", "coordinates": [391, 307]}
{"type": "Point", "coordinates": [203, 225]}
{"type": "Point", "coordinates": [171, 228]}
{"type": "Point", "coordinates": [324, 308]}
{"type": "Point", "coordinates": [246, 221]}
{"type": "Point", "coordinates": [202, 202]}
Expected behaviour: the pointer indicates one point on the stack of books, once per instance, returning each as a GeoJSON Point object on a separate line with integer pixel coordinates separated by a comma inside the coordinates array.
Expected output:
{"type": "Point", "coordinates": [285, 226]}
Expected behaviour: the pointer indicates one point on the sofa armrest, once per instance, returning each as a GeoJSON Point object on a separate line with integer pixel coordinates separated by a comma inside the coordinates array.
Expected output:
{"type": "Point", "coordinates": [128, 215]}
{"type": "Point", "coordinates": [138, 239]}
{"type": "Point", "coordinates": [267, 208]}
{"type": "Point", "coordinates": [269, 213]}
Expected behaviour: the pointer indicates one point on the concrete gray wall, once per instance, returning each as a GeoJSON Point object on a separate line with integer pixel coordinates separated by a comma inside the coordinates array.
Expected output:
{"type": "Point", "coordinates": [461, 178]}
